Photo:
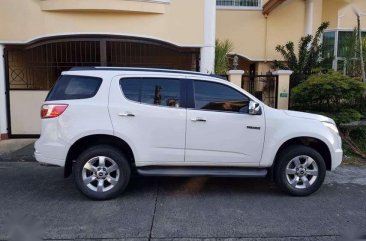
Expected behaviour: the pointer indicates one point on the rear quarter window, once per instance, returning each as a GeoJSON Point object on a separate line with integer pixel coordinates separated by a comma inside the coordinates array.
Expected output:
{"type": "Point", "coordinates": [71, 87]}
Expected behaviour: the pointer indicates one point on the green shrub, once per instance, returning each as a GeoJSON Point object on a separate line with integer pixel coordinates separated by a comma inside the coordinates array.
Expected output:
{"type": "Point", "coordinates": [332, 94]}
{"type": "Point", "coordinates": [344, 116]}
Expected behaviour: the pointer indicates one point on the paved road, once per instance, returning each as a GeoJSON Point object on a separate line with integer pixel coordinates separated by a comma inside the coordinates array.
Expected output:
{"type": "Point", "coordinates": [36, 198]}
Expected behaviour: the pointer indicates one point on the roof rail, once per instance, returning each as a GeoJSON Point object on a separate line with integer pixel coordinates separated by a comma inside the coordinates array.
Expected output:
{"type": "Point", "coordinates": [142, 69]}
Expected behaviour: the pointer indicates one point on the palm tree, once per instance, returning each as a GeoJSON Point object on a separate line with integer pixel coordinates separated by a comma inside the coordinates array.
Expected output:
{"type": "Point", "coordinates": [222, 50]}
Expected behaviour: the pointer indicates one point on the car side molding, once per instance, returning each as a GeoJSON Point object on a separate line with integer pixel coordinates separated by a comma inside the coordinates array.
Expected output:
{"type": "Point", "coordinates": [202, 171]}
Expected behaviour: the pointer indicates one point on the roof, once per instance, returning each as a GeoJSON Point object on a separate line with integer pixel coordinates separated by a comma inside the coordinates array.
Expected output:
{"type": "Point", "coordinates": [271, 5]}
{"type": "Point", "coordinates": [143, 69]}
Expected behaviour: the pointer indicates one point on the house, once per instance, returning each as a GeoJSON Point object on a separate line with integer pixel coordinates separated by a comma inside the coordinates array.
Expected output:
{"type": "Point", "coordinates": [41, 38]}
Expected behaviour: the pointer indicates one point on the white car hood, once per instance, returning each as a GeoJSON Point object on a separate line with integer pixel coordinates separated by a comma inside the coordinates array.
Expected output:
{"type": "Point", "coordinates": [304, 115]}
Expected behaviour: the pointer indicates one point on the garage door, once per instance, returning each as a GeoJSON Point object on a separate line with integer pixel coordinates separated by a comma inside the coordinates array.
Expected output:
{"type": "Point", "coordinates": [33, 69]}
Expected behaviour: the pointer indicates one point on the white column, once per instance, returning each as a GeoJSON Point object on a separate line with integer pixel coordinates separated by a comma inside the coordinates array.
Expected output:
{"type": "Point", "coordinates": [235, 76]}
{"type": "Point", "coordinates": [309, 17]}
{"type": "Point", "coordinates": [283, 88]}
{"type": "Point", "coordinates": [3, 118]}
{"type": "Point", "coordinates": [207, 64]}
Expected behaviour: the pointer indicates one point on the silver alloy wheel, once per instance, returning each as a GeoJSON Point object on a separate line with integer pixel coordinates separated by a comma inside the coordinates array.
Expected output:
{"type": "Point", "coordinates": [100, 174]}
{"type": "Point", "coordinates": [302, 172]}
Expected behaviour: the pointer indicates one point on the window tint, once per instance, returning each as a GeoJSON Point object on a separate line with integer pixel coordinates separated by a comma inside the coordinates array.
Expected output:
{"type": "Point", "coordinates": [153, 91]}
{"type": "Point", "coordinates": [131, 88]}
{"type": "Point", "coordinates": [219, 97]}
{"type": "Point", "coordinates": [70, 87]}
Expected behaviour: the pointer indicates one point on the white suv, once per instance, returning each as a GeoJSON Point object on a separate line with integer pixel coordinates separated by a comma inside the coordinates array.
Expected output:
{"type": "Point", "coordinates": [102, 123]}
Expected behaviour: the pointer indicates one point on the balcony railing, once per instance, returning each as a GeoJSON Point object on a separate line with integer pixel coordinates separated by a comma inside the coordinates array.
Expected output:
{"type": "Point", "coordinates": [239, 3]}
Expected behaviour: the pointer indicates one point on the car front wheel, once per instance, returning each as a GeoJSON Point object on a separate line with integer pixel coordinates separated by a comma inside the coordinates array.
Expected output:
{"type": "Point", "coordinates": [101, 172]}
{"type": "Point", "coordinates": [300, 170]}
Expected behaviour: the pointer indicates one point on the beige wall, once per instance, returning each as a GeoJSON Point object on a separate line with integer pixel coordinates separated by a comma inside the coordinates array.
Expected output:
{"type": "Point", "coordinates": [182, 22]}
{"type": "Point", "coordinates": [246, 29]}
{"type": "Point", "coordinates": [25, 109]}
{"type": "Point", "coordinates": [256, 37]}
{"type": "Point", "coordinates": [341, 15]}
{"type": "Point", "coordinates": [285, 23]}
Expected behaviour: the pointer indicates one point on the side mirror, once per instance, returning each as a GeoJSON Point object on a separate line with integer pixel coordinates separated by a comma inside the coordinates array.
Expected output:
{"type": "Point", "coordinates": [254, 108]}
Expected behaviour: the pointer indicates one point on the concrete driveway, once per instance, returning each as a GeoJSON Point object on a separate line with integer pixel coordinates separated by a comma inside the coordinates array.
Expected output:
{"type": "Point", "coordinates": [37, 200]}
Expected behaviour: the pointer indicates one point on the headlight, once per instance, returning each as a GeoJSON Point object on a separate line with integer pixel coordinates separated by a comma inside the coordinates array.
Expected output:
{"type": "Point", "coordinates": [331, 126]}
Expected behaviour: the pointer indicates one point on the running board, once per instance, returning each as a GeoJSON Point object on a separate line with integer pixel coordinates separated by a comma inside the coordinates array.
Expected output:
{"type": "Point", "coordinates": [202, 171]}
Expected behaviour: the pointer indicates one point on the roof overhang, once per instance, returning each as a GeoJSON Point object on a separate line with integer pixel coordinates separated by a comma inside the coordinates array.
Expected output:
{"type": "Point", "coordinates": [271, 5]}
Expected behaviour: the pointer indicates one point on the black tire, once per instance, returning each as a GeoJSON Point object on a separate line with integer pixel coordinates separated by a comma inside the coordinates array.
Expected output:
{"type": "Point", "coordinates": [109, 152]}
{"type": "Point", "coordinates": [286, 157]}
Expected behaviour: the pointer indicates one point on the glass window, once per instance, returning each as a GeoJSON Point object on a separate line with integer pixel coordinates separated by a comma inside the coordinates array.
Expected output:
{"type": "Point", "coordinates": [131, 88]}
{"type": "Point", "coordinates": [69, 87]}
{"type": "Point", "coordinates": [219, 97]}
{"type": "Point", "coordinates": [347, 43]}
{"type": "Point", "coordinates": [239, 3]}
{"type": "Point", "coordinates": [164, 92]}
{"type": "Point", "coordinates": [328, 49]}
{"type": "Point", "coordinates": [153, 91]}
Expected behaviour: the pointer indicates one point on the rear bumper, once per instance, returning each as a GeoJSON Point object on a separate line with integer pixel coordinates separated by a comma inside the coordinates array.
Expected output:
{"type": "Point", "coordinates": [48, 160]}
{"type": "Point", "coordinates": [49, 153]}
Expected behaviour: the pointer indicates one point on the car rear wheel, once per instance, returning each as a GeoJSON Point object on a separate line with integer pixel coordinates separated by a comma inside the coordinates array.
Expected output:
{"type": "Point", "coordinates": [101, 172]}
{"type": "Point", "coordinates": [300, 170]}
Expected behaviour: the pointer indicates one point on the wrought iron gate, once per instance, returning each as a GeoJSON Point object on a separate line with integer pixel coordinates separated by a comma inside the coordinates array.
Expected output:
{"type": "Point", "coordinates": [32, 69]}
{"type": "Point", "coordinates": [37, 66]}
{"type": "Point", "coordinates": [263, 87]}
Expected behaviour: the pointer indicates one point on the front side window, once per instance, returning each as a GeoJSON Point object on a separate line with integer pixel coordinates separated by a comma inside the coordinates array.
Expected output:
{"type": "Point", "coordinates": [153, 91]}
{"type": "Point", "coordinates": [70, 87]}
{"type": "Point", "coordinates": [219, 97]}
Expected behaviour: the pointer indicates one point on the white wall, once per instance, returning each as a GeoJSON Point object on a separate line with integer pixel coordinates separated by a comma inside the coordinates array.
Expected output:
{"type": "Point", "coordinates": [3, 118]}
{"type": "Point", "coordinates": [25, 106]}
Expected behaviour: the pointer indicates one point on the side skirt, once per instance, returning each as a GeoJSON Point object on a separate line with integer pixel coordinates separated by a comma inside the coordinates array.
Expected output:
{"type": "Point", "coordinates": [202, 171]}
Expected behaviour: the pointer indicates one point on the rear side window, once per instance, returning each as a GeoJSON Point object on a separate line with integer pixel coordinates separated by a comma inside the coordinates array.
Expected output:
{"type": "Point", "coordinates": [70, 87]}
{"type": "Point", "coordinates": [153, 91]}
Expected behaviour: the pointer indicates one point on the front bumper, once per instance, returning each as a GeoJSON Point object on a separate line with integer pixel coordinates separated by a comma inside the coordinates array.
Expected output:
{"type": "Point", "coordinates": [337, 158]}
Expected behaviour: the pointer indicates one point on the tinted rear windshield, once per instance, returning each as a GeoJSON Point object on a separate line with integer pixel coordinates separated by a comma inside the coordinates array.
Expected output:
{"type": "Point", "coordinates": [71, 87]}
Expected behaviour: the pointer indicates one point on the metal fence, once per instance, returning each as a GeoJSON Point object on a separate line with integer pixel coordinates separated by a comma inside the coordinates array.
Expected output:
{"type": "Point", "coordinates": [37, 66]}
{"type": "Point", "coordinates": [239, 3]}
{"type": "Point", "coordinates": [263, 87]}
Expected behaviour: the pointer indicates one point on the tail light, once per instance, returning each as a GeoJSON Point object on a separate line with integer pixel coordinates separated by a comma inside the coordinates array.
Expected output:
{"type": "Point", "coordinates": [52, 111]}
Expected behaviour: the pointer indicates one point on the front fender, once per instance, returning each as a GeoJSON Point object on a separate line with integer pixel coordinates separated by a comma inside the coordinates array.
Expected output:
{"type": "Point", "coordinates": [282, 128]}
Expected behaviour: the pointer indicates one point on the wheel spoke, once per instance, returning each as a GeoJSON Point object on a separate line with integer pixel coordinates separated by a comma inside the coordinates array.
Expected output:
{"type": "Point", "coordinates": [111, 180]}
{"type": "Point", "coordinates": [297, 162]}
{"type": "Point", "coordinates": [102, 161]}
{"type": "Point", "coordinates": [295, 181]}
{"type": "Point", "coordinates": [290, 171]}
{"type": "Point", "coordinates": [305, 180]}
{"type": "Point", "coordinates": [89, 179]}
{"type": "Point", "coordinates": [312, 172]}
{"type": "Point", "coordinates": [90, 167]}
{"type": "Point", "coordinates": [100, 185]}
{"type": "Point", "coordinates": [308, 162]}
{"type": "Point", "coordinates": [112, 168]}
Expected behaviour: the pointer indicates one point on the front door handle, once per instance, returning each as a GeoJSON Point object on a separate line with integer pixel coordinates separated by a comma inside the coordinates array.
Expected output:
{"type": "Point", "coordinates": [198, 119]}
{"type": "Point", "coordinates": [126, 115]}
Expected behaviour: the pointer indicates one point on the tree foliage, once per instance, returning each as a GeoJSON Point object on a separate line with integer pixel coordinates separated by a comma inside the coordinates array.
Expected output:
{"type": "Point", "coordinates": [309, 51]}
{"type": "Point", "coordinates": [333, 93]}
{"type": "Point", "coordinates": [222, 50]}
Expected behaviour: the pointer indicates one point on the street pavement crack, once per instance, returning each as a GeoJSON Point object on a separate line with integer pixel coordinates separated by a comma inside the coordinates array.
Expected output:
{"type": "Point", "coordinates": [153, 218]}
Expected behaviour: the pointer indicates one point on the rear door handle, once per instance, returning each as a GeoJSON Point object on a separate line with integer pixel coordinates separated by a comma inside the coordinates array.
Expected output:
{"type": "Point", "coordinates": [126, 115]}
{"type": "Point", "coordinates": [198, 119]}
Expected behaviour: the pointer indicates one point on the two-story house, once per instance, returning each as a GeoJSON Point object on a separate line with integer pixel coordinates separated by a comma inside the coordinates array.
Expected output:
{"type": "Point", "coordinates": [41, 38]}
